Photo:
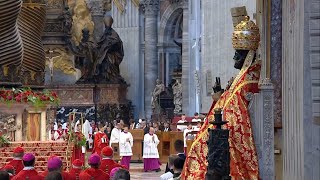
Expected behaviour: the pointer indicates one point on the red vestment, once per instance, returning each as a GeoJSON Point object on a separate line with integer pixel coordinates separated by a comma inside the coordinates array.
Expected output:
{"type": "Point", "coordinates": [100, 141]}
{"type": "Point", "coordinates": [75, 172]}
{"type": "Point", "coordinates": [27, 174]}
{"type": "Point", "coordinates": [17, 164]}
{"type": "Point", "coordinates": [96, 174]}
{"type": "Point", "coordinates": [77, 150]}
{"type": "Point", "coordinates": [65, 175]}
{"type": "Point", "coordinates": [108, 164]}
{"type": "Point", "coordinates": [243, 155]}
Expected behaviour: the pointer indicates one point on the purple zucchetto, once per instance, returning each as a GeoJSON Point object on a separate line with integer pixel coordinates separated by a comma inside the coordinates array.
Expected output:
{"type": "Point", "coordinates": [55, 163]}
{"type": "Point", "coordinates": [94, 159]}
{"type": "Point", "coordinates": [28, 157]}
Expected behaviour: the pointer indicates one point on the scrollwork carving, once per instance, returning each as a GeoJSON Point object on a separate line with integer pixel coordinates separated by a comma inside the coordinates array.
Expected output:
{"type": "Point", "coordinates": [151, 7]}
{"type": "Point", "coordinates": [8, 126]}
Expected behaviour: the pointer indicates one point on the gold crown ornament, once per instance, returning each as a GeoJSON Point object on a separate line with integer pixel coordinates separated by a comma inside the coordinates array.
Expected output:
{"type": "Point", "coordinates": [246, 35]}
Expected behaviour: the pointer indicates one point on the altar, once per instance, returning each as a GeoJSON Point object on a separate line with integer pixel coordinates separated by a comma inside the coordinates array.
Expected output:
{"type": "Point", "coordinates": [27, 123]}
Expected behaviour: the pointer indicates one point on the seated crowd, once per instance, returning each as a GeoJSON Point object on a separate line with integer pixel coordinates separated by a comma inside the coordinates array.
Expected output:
{"type": "Point", "coordinates": [22, 167]}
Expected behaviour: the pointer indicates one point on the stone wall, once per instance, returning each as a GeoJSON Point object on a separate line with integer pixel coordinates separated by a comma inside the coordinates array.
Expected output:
{"type": "Point", "coordinates": [128, 27]}
{"type": "Point", "coordinates": [217, 51]}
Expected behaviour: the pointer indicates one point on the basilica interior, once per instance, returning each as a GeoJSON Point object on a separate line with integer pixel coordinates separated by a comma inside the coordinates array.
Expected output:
{"type": "Point", "coordinates": [249, 70]}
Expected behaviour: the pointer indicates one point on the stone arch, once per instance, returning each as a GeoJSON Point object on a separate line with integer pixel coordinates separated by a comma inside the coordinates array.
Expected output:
{"type": "Point", "coordinates": [167, 20]}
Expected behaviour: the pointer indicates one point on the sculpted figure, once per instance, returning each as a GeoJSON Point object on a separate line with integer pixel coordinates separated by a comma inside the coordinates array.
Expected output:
{"type": "Point", "coordinates": [110, 54]}
{"type": "Point", "coordinates": [156, 93]}
{"type": "Point", "coordinates": [177, 96]}
{"type": "Point", "coordinates": [85, 59]}
{"type": "Point", "coordinates": [81, 19]}
{"type": "Point", "coordinates": [234, 105]}
{"type": "Point", "coordinates": [66, 18]}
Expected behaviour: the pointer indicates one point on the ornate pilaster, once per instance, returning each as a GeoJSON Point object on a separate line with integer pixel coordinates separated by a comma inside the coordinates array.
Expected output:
{"type": "Point", "coordinates": [151, 8]}
{"type": "Point", "coordinates": [266, 159]}
{"type": "Point", "coordinates": [97, 12]}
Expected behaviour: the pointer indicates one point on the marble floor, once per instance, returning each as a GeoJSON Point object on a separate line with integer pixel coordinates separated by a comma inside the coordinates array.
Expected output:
{"type": "Point", "coordinates": [137, 173]}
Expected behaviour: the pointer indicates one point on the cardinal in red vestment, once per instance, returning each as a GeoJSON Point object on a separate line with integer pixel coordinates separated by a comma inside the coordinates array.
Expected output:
{"type": "Point", "coordinates": [76, 169]}
{"type": "Point", "coordinates": [94, 172]}
{"type": "Point", "coordinates": [17, 162]}
{"type": "Point", "coordinates": [100, 140]}
{"type": "Point", "coordinates": [28, 172]}
{"type": "Point", "coordinates": [10, 170]}
{"type": "Point", "coordinates": [107, 164]}
{"type": "Point", "coordinates": [234, 104]}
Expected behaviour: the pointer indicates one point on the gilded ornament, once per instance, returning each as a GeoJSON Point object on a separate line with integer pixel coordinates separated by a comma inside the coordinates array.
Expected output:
{"type": "Point", "coordinates": [246, 35]}
{"type": "Point", "coordinates": [81, 20]}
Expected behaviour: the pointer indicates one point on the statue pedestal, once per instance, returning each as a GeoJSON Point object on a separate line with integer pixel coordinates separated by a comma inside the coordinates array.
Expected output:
{"type": "Point", "coordinates": [112, 93]}
{"type": "Point", "coordinates": [98, 102]}
{"type": "Point", "coordinates": [90, 94]}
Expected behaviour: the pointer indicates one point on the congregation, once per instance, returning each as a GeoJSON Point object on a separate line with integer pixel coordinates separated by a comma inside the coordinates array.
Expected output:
{"type": "Point", "coordinates": [100, 145]}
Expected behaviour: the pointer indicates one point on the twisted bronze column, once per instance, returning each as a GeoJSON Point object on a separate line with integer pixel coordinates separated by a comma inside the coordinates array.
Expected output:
{"type": "Point", "coordinates": [10, 42]}
{"type": "Point", "coordinates": [31, 23]}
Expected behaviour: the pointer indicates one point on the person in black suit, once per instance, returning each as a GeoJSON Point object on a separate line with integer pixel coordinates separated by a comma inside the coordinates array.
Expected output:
{"type": "Point", "coordinates": [179, 148]}
{"type": "Point", "coordinates": [166, 127]}
{"type": "Point", "coordinates": [145, 127]}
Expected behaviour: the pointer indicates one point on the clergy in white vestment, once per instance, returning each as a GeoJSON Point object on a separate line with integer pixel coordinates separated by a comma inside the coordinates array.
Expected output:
{"type": "Point", "coordinates": [180, 123]}
{"type": "Point", "coordinates": [186, 136]}
{"type": "Point", "coordinates": [115, 134]}
{"type": "Point", "coordinates": [86, 129]}
{"type": "Point", "coordinates": [196, 118]}
{"type": "Point", "coordinates": [125, 146]}
{"type": "Point", "coordinates": [150, 151]}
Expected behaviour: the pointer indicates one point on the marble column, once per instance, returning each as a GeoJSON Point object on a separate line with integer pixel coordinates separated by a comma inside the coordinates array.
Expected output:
{"type": "Point", "coordinates": [151, 8]}
{"type": "Point", "coordinates": [292, 107]}
{"type": "Point", "coordinates": [185, 60]}
{"type": "Point", "coordinates": [300, 34]}
{"type": "Point", "coordinates": [97, 13]}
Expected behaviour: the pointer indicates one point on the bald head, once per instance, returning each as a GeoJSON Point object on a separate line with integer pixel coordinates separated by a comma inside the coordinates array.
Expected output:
{"type": "Point", "coordinates": [108, 21]}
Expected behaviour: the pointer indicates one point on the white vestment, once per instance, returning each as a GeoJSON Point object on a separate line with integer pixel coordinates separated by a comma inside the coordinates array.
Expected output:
{"type": "Point", "coordinates": [150, 149]}
{"type": "Point", "coordinates": [181, 126]}
{"type": "Point", "coordinates": [185, 136]}
{"type": "Point", "coordinates": [166, 176]}
{"type": "Point", "coordinates": [115, 136]}
{"type": "Point", "coordinates": [86, 129]}
{"type": "Point", "coordinates": [125, 147]}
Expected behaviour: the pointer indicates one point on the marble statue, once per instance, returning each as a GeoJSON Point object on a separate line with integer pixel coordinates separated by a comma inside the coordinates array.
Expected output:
{"type": "Point", "coordinates": [85, 59]}
{"type": "Point", "coordinates": [110, 54]}
{"type": "Point", "coordinates": [156, 94]}
{"type": "Point", "coordinates": [81, 19]}
{"type": "Point", "coordinates": [177, 97]}
{"type": "Point", "coordinates": [234, 105]}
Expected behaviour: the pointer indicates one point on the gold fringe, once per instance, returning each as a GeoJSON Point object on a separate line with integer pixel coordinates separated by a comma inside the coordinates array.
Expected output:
{"type": "Point", "coordinates": [119, 5]}
{"type": "Point", "coordinates": [136, 3]}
